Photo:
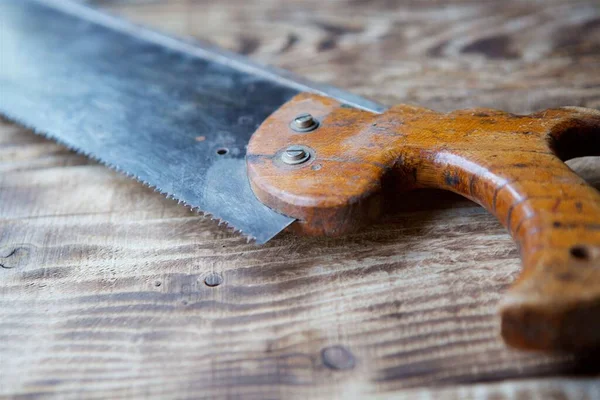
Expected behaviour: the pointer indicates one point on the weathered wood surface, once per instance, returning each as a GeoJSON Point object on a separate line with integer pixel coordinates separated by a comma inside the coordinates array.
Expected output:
{"type": "Point", "coordinates": [101, 283]}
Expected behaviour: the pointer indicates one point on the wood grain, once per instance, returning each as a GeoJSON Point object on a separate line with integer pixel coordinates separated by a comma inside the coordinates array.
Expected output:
{"type": "Point", "coordinates": [510, 164]}
{"type": "Point", "coordinates": [102, 286]}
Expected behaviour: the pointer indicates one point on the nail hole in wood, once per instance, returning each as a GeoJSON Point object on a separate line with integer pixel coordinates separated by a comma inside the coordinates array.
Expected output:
{"type": "Point", "coordinates": [213, 280]}
{"type": "Point", "coordinates": [579, 252]}
{"type": "Point", "coordinates": [157, 283]}
{"type": "Point", "coordinates": [337, 357]}
{"type": "Point", "coordinates": [222, 151]}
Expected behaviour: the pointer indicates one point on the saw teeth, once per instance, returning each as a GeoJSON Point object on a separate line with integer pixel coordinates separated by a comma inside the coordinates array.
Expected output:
{"type": "Point", "coordinates": [202, 213]}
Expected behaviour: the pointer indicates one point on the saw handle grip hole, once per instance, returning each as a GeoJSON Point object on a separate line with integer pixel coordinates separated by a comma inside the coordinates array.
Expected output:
{"type": "Point", "coordinates": [222, 151]}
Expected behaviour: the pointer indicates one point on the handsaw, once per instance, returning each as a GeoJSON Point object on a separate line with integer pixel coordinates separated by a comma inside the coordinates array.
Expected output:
{"type": "Point", "coordinates": [264, 150]}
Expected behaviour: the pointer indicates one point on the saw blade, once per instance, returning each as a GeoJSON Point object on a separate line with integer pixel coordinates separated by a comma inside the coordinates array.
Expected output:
{"type": "Point", "coordinates": [173, 114]}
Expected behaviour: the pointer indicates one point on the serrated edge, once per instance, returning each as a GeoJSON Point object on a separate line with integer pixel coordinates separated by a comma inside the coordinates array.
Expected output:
{"type": "Point", "coordinates": [232, 228]}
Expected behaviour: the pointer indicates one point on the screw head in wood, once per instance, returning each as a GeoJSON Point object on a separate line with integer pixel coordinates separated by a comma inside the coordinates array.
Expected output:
{"type": "Point", "coordinates": [304, 123]}
{"type": "Point", "coordinates": [295, 154]}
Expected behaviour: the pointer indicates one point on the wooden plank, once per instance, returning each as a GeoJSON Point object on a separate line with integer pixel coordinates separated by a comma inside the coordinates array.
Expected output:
{"type": "Point", "coordinates": [102, 280]}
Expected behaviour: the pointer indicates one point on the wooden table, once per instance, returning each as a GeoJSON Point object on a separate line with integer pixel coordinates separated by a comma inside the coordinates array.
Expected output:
{"type": "Point", "coordinates": [102, 281]}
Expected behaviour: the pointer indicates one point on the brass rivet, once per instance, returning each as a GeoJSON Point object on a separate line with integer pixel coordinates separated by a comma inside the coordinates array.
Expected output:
{"type": "Point", "coordinates": [304, 123]}
{"type": "Point", "coordinates": [295, 154]}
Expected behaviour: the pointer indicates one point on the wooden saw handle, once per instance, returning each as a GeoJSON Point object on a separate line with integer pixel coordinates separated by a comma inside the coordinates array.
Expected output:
{"type": "Point", "coordinates": [512, 165]}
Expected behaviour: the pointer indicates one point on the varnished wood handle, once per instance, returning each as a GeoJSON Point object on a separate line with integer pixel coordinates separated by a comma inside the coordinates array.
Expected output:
{"type": "Point", "coordinates": [512, 165]}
